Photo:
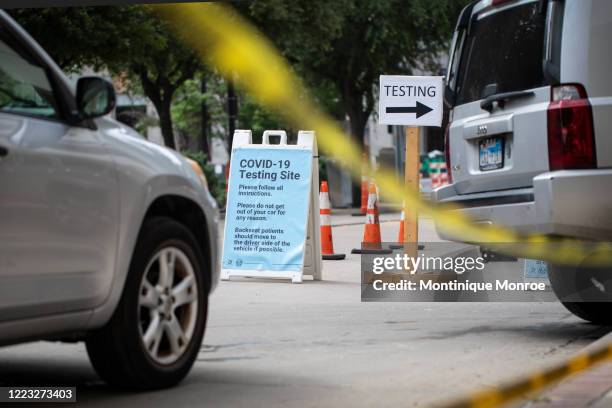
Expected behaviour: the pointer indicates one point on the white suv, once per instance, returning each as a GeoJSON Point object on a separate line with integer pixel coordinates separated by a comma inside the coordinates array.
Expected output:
{"type": "Point", "coordinates": [104, 237]}
{"type": "Point", "coordinates": [529, 145]}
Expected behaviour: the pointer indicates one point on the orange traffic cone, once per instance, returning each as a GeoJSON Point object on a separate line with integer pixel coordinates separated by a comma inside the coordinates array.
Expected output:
{"type": "Point", "coordinates": [371, 236]}
{"type": "Point", "coordinates": [327, 242]}
{"type": "Point", "coordinates": [400, 235]}
{"type": "Point", "coordinates": [364, 187]}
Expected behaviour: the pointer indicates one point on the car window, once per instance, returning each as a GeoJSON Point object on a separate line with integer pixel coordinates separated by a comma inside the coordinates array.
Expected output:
{"type": "Point", "coordinates": [24, 86]}
{"type": "Point", "coordinates": [503, 52]}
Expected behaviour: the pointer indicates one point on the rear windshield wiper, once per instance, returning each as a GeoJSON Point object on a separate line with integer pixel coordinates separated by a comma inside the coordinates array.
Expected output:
{"type": "Point", "coordinates": [501, 98]}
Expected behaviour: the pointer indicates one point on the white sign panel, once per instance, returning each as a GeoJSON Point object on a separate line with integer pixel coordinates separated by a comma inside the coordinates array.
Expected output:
{"type": "Point", "coordinates": [410, 100]}
{"type": "Point", "coordinates": [272, 224]}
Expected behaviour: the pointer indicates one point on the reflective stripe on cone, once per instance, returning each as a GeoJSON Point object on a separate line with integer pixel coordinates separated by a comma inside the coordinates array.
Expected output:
{"type": "Point", "coordinates": [371, 235]}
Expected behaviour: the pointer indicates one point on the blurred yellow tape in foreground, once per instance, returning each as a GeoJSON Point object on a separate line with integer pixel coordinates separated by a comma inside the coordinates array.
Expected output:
{"type": "Point", "coordinates": [535, 382]}
{"type": "Point", "coordinates": [229, 43]}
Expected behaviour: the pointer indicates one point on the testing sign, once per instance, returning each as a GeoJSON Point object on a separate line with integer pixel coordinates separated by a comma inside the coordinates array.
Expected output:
{"type": "Point", "coordinates": [410, 100]}
{"type": "Point", "coordinates": [267, 210]}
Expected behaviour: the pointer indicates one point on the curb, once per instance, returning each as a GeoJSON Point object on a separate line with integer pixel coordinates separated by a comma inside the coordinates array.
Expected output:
{"type": "Point", "coordinates": [595, 353]}
{"type": "Point", "coordinates": [587, 389]}
{"type": "Point", "coordinates": [599, 343]}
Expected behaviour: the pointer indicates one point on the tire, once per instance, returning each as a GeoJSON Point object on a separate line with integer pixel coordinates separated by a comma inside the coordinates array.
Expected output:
{"type": "Point", "coordinates": [586, 292]}
{"type": "Point", "coordinates": [117, 351]}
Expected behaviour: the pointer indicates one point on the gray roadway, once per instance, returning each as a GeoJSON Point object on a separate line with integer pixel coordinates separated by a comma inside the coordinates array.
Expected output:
{"type": "Point", "coordinates": [315, 344]}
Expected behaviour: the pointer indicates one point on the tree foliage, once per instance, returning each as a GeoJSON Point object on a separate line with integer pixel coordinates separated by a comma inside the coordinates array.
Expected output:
{"type": "Point", "coordinates": [339, 48]}
{"type": "Point", "coordinates": [349, 43]}
{"type": "Point", "coordinates": [187, 107]}
{"type": "Point", "coordinates": [123, 39]}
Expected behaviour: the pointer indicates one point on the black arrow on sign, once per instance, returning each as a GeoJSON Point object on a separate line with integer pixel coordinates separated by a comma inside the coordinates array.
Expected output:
{"type": "Point", "coordinates": [419, 109]}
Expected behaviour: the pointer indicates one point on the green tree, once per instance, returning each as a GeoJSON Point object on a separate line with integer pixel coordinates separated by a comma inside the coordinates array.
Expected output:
{"type": "Point", "coordinates": [122, 39]}
{"type": "Point", "coordinates": [349, 43]}
{"type": "Point", "coordinates": [254, 117]}
{"type": "Point", "coordinates": [187, 108]}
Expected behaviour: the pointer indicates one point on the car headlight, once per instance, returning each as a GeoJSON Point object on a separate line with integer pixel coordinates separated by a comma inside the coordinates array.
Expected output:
{"type": "Point", "coordinates": [198, 170]}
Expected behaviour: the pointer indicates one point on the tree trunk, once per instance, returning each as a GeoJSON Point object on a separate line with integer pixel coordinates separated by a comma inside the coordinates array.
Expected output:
{"type": "Point", "coordinates": [358, 113]}
{"type": "Point", "coordinates": [162, 100]}
{"type": "Point", "coordinates": [358, 120]}
{"type": "Point", "coordinates": [165, 121]}
{"type": "Point", "coordinates": [205, 118]}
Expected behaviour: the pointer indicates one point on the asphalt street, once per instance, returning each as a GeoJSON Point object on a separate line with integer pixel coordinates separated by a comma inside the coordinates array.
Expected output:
{"type": "Point", "coordinates": [273, 343]}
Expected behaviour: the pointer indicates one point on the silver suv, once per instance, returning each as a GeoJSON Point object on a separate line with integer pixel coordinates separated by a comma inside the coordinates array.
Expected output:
{"type": "Point", "coordinates": [529, 145]}
{"type": "Point", "coordinates": [104, 237]}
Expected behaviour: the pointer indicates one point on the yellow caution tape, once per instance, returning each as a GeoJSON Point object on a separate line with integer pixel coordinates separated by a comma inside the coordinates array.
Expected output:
{"type": "Point", "coordinates": [530, 384]}
{"type": "Point", "coordinates": [236, 49]}
{"type": "Point", "coordinates": [229, 43]}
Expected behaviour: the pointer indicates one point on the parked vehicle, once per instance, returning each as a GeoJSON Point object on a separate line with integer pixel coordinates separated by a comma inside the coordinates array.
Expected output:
{"type": "Point", "coordinates": [104, 237]}
{"type": "Point", "coordinates": [529, 145]}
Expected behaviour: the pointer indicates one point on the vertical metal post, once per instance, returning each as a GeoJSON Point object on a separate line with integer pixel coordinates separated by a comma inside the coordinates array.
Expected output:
{"type": "Point", "coordinates": [232, 111]}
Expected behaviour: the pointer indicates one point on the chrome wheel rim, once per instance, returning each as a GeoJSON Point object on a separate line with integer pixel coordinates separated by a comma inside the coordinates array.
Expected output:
{"type": "Point", "coordinates": [167, 305]}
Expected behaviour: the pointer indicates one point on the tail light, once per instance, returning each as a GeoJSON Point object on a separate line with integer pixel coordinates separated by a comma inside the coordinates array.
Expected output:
{"type": "Point", "coordinates": [447, 154]}
{"type": "Point", "coordinates": [571, 139]}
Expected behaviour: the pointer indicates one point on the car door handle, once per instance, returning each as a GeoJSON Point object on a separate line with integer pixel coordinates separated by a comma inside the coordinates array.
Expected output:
{"type": "Point", "coordinates": [3, 151]}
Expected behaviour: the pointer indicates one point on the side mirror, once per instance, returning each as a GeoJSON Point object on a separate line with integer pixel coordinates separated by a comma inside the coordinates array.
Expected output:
{"type": "Point", "coordinates": [94, 97]}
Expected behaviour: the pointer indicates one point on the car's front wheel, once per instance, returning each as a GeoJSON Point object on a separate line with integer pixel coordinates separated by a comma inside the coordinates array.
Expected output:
{"type": "Point", "coordinates": [154, 336]}
{"type": "Point", "coordinates": [584, 291]}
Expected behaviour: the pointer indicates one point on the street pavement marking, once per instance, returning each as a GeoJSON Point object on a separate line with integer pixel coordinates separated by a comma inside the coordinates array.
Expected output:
{"type": "Point", "coordinates": [236, 49]}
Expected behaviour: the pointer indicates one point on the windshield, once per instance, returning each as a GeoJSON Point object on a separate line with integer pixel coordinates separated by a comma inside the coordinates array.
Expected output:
{"type": "Point", "coordinates": [502, 53]}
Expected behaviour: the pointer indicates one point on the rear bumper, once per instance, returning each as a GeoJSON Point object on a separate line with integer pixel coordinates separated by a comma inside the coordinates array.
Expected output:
{"type": "Point", "coordinates": [575, 203]}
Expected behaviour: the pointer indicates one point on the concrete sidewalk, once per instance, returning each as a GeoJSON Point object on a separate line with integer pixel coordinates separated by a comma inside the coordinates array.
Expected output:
{"type": "Point", "coordinates": [591, 388]}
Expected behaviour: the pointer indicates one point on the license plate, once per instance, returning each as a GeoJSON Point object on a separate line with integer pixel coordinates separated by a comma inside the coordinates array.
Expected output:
{"type": "Point", "coordinates": [491, 153]}
{"type": "Point", "coordinates": [535, 269]}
